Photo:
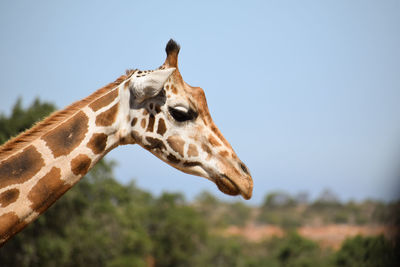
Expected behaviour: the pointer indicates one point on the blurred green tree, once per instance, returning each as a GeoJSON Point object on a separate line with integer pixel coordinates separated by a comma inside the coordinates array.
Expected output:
{"type": "Point", "coordinates": [220, 214]}
{"type": "Point", "coordinates": [22, 119]}
{"type": "Point", "coordinates": [223, 252]}
{"type": "Point", "coordinates": [280, 208]}
{"type": "Point", "coordinates": [237, 213]}
{"type": "Point", "coordinates": [368, 252]}
{"type": "Point", "coordinates": [294, 250]}
{"type": "Point", "coordinates": [177, 230]}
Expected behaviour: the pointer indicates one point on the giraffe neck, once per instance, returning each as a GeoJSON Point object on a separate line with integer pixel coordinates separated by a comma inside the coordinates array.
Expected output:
{"type": "Point", "coordinates": [62, 151]}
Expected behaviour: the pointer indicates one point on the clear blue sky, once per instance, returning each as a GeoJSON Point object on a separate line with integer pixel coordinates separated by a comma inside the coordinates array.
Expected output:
{"type": "Point", "coordinates": [307, 92]}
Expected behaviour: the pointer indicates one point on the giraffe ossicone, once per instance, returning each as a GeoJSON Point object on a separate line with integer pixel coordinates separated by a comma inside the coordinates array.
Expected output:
{"type": "Point", "coordinates": [154, 109]}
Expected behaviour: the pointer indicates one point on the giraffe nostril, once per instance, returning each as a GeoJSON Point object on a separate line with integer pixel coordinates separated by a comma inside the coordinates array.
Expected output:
{"type": "Point", "coordinates": [244, 168]}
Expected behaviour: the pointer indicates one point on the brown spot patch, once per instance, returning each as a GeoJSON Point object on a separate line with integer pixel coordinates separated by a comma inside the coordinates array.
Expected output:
{"type": "Point", "coordinates": [9, 225]}
{"type": "Point", "coordinates": [8, 197]}
{"type": "Point", "coordinates": [20, 167]}
{"type": "Point", "coordinates": [143, 123]}
{"type": "Point", "coordinates": [47, 190]}
{"type": "Point", "coordinates": [134, 121]}
{"type": "Point", "coordinates": [67, 136]}
{"type": "Point", "coordinates": [173, 159]}
{"type": "Point", "coordinates": [176, 143]}
{"type": "Point", "coordinates": [98, 143]}
{"type": "Point", "coordinates": [192, 151]}
{"type": "Point", "coordinates": [213, 141]}
{"type": "Point", "coordinates": [150, 126]}
{"type": "Point", "coordinates": [224, 153]}
{"type": "Point", "coordinates": [80, 164]}
{"type": "Point", "coordinates": [161, 128]}
{"type": "Point", "coordinates": [154, 143]}
{"type": "Point", "coordinates": [206, 148]}
{"type": "Point", "coordinates": [158, 109]}
{"type": "Point", "coordinates": [191, 163]}
{"type": "Point", "coordinates": [174, 90]}
{"type": "Point", "coordinates": [145, 112]}
{"type": "Point", "coordinates": [104, 100]}
{"type": "Point", "coordinates": [107, 117]}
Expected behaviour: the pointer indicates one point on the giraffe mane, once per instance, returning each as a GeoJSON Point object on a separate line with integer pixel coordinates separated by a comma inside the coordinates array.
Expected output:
{"type": "Point", "coordinates": [24, 138]}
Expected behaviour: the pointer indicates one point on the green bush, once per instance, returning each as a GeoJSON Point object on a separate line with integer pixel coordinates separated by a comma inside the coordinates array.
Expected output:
{"type": "Point", "coordinates": [367, 252]}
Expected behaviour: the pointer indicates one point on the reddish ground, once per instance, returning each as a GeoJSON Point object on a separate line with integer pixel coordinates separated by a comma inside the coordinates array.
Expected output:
{"type": "Point", "coordinates": [255, 233]}
{"type": "Point", "coordinates": [327, 236]}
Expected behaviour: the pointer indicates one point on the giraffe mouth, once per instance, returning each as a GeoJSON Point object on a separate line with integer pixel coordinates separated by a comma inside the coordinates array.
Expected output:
{"type": "Point", "coordinates": [227, 186]}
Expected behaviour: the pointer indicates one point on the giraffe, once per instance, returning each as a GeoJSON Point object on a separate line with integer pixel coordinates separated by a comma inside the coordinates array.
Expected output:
{"type": "Point", "coordinates": [155, 109]}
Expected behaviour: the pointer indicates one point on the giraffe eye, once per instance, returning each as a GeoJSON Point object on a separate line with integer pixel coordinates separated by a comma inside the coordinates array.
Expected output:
{"type": "Point", "coordinates": [181, 114]}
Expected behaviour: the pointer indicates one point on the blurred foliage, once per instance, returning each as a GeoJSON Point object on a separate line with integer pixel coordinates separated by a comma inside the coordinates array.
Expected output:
{"type": "Point", "coordinates": [280, 208]}
{"type": "Point", "coordinates": [177, 229]}
{"type": "Point", "coordinates": [101, 222]}
{"type": "Point", "coordinates": [220, 214]}
{"type": "Point", "coordinates": [222, 251]}
{"type": "Point", "coordinates": [293, 250]}
{"type": "Point", "coordinates": [22, 119]}
{"type": "Point", "coordinates": [368, 252]}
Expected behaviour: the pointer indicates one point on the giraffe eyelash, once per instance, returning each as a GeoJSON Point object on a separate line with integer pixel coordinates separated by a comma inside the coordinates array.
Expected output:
{"type": "Point", "coordinates": [182, 114]}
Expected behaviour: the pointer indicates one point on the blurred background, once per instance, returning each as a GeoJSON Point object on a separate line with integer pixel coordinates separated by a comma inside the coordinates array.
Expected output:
{"type": "Point", "coordinates": [306, 92]}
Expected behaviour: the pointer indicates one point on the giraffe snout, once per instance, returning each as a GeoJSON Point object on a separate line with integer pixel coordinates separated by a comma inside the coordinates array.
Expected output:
{"type": "Point", "coordinates": [235, 186]}
{"type": "Point", "coordinates": [235, 180]}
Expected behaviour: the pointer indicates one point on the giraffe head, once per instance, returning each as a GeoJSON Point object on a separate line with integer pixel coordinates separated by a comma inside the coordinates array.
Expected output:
{"type": "Point", "coordinates": [171, 119]}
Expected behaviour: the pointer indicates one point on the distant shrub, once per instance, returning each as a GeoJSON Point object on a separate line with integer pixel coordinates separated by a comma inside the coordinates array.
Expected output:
{"type": "Point", "coordinates": [367, 252]}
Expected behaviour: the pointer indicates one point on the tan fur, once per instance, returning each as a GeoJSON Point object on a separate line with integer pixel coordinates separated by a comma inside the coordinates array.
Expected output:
{"type": "Point", "coordinates": [108, 117]}
{"type": "Point", "coordinates": [8, 197]}
{"type": "Point", "coordinates": [103, 101]}
{"type": "Point", "coordinates": [10, 224]}
{"type": "Point", "coordinates": [150, 126]}
{"type": "Point", "coordinates": [20, 167]}
{"type": "Point", "coordinates": [80, 164]}
{"type": "Point", "coordinates": [68, 135]}
{"type": "Point", "coordinates": [49, 188]}
{"type": "Point", "coordinates": [176, 143]}
{"type": "Point", "coordinates": [192, 151]}
{"type": "Point", "coordinates": [98, 143]}
{"type": "Point", "coordinates": [162, 128]}
{"type": "Point", "coordinates": [50, 122]}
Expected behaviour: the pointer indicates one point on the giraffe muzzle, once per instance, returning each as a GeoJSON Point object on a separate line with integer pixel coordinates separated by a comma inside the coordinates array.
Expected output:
{"type": "Point", "coordinates": [227, 186]}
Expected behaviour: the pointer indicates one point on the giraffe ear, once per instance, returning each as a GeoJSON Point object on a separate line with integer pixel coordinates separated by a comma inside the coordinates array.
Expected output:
{"type": "Point", "coordinates": [151, 84]}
